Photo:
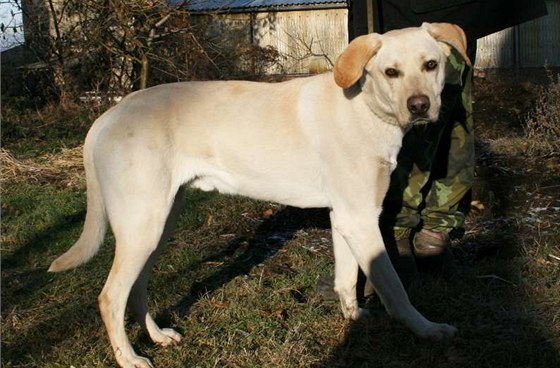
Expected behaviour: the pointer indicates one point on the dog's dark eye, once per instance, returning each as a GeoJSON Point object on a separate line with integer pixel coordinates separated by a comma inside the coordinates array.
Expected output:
{"type": "Point", "coordinates": [391, 72]}
{"type": "Point", "coordinates": [430, 65]}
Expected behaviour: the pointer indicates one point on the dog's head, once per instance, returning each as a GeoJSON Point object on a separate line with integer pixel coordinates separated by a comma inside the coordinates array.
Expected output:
{"type": "Point", "coordinates": [402, 71]}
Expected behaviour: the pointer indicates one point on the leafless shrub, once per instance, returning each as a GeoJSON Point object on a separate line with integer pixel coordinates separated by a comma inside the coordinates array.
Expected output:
{"type": "Point", "coordinates": [543, 123]}
{"type": "Point", "coordinates": [111, 47]}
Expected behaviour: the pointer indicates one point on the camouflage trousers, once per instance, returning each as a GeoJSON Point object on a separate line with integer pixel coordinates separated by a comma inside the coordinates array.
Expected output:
{"type": "Point", "coordinates": [436, 164]}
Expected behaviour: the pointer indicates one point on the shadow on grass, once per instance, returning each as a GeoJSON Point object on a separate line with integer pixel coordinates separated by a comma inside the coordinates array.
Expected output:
{"type": "Point", "coordinates": [22, 284]}
{"type": "Point", "coordinates": [39, 243]}
{"type": "Point", "coordinates": [496, 325]}
{"type": "Point", "coordinates": [249, 252]}
{"type": "Point", "coordinates": [20, 279]}
{"type": "Point", "coordinates": [490, 297]}
{"type": "Point", "coordinates": [70, 323]}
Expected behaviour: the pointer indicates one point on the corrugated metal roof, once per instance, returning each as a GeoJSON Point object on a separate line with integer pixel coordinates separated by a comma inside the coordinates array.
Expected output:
{"type": "Point", "coordinates": [249, 5]}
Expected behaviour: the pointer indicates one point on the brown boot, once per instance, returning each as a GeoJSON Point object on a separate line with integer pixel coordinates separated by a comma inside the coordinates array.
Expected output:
{"type": "Point", "coordinates": [428, 243]}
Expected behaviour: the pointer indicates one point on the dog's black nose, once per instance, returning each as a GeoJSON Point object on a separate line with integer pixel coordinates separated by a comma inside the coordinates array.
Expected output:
{"type": "Point", "coordinates": [418, 104]}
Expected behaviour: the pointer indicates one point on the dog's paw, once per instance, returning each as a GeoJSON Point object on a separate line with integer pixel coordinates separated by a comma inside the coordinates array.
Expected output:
{"type": "Point", "coordinates": [438, 331]}
{"type": "Point", "coordinates": [134, 362]}
{"type": "Point", "coordinates": [355, 313]}
{"type": "Point", "coordinates": [166, 337]}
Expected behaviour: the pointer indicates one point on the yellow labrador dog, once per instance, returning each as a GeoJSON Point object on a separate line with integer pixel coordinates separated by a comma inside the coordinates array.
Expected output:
{"type": "Point", "coordinates": [324, 141]}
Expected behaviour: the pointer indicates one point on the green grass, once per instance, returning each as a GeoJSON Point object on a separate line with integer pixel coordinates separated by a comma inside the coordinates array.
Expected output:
{"type": "Point", "coordinates": [241, 298]}
{"type": "Point", "coordinates": [28, 129]}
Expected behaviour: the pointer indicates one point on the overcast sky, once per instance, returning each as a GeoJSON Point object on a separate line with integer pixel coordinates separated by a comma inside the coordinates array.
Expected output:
{"type": "Point", "coordinates": [10, 17]}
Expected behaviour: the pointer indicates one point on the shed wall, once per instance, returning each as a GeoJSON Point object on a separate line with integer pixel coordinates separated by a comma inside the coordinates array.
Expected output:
{"type": "Point", "coordinates": [308, 40]}
{"type": "Point", "coordinates": [532, 44]}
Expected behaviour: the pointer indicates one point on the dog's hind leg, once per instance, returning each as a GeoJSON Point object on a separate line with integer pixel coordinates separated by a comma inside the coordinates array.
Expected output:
{"type": "Point", "coordinates": [138, 299]}
{"type": "Point", "coordinates": [138, 224]}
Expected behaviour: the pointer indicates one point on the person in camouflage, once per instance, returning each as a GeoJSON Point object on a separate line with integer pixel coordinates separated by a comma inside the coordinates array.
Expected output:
{"type": "Point", "coordinates": [435, 170]}
{"type": "Point", "coordinates": [452, 137]}
{"type": "Point", "coordinates": [436, 162]}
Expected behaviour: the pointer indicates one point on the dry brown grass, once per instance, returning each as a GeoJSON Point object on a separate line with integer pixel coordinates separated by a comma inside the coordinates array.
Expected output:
{"type": "Point", "coordinates": [65, 168]}
{"type": "Point", "coordinates": [543, 123]}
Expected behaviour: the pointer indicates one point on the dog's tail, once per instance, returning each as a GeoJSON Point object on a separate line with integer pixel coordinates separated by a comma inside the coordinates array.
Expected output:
{"type": "Point", "coordinates": [95, 224]}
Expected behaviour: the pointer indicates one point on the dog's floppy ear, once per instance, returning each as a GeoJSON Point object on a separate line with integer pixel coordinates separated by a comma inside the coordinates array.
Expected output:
{"type": "Point", "coordinates": [451, 35]}
{"type": "Point", "coordinates": [349, 66]}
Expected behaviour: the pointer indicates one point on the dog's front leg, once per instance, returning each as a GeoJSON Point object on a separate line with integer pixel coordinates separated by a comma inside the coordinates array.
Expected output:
{"type": "Point", "coordinates": [346, 275]}
{"type": "Point", "coordinates": [365, 243]}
